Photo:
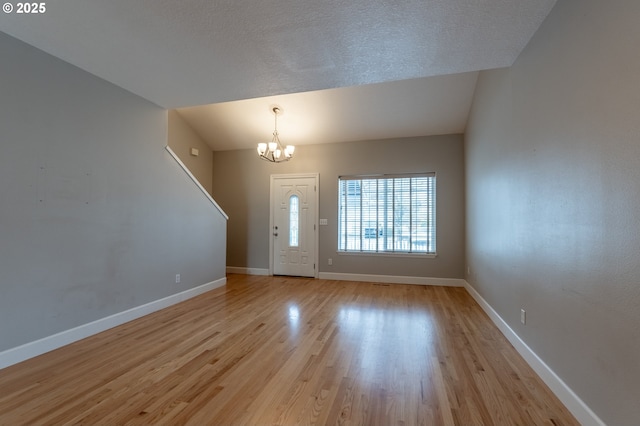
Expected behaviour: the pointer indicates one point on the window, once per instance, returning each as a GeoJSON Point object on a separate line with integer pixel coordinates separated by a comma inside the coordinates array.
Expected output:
{"type": "Point", "coordinates": [387, 214]}
{"type": "Point", "coordinates": [294, 202]}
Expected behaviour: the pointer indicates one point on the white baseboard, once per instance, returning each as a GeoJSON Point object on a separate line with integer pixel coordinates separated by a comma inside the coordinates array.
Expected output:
{"type": "Point", "coordinates": [449, 282]}
{"type": "Point", "coordinates": [565, 394]}
{"type": "Point", "coordinates": [246, 271]}
{"type": "Point", "coordinates": [49, 343]}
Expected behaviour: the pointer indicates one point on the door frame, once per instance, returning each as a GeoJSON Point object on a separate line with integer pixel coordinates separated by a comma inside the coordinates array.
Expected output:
{"type": "Point", "coordinates": [272, 202]}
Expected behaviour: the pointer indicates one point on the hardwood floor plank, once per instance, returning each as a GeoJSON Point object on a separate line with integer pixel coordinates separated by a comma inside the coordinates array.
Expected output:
{"type": "Point", "coordinates": [283, 350]}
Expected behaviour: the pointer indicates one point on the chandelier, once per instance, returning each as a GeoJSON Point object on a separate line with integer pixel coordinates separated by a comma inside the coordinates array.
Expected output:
{"type": "Point", "coordinates": [274, 151]}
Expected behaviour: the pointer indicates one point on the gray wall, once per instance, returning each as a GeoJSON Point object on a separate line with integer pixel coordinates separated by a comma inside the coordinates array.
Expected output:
{"type": "Point", "coordinates": [181, 139]}
{"type": "Point", "coordinates": [95, 216]}
{"type": "Point", "coordinates": [553, 207]}
{"type": "Point", "coordinates": [241, 187]}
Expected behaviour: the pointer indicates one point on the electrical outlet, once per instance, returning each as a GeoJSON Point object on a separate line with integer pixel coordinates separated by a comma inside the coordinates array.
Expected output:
{"type": "Point", "coordinates": [330, 261]}
{"type": "Point", "coordinates": [177, 278]}
{"type": "Point", "coordinates": [523, 316]}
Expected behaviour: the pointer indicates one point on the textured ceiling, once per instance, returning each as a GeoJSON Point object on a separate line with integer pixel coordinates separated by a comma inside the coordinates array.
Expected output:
{"type": "Point", "coordinates": [187, 53]}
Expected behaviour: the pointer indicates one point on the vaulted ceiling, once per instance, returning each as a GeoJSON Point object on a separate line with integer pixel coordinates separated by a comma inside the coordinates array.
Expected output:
{"type": "Point", "coordinates": [340, 70]}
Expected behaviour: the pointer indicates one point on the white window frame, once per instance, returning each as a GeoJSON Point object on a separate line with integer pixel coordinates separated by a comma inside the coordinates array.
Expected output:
{"type": "Point", "coordinates": [355, 225]}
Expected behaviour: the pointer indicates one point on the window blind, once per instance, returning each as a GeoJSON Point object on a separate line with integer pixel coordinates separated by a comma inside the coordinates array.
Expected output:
{"type": "Point", "coordinates": [387, 213]}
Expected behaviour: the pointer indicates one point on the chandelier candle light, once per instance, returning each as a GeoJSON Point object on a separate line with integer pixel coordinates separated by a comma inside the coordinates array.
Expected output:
{"type": "Point", "coordinates": [273, 151]}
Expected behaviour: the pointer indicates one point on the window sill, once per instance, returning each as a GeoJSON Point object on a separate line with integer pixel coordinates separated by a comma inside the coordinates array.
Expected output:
{"type": "Point", "coordinates": [387, 254]}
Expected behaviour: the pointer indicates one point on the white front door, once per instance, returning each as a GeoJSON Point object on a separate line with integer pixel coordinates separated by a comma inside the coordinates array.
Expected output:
{"type": "Point", "coordinates": [293, 230]}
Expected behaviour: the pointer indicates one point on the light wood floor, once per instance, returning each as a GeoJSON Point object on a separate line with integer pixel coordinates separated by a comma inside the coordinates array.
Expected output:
{"type": "Point", "coordinates": [266, 351]}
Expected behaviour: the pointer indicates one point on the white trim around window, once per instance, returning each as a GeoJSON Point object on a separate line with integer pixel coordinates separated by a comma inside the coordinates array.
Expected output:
{"type": "Point", "coordinates": [387, 214]}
